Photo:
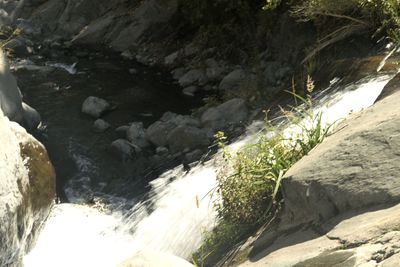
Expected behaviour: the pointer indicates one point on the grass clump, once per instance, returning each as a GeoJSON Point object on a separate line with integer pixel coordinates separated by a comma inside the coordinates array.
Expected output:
{"type": "Point", "coordinates": [249, 182]}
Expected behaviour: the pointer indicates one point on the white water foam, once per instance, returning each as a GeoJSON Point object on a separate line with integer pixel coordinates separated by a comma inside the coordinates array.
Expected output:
{"type": "Point", "coordinates": [178, 211]}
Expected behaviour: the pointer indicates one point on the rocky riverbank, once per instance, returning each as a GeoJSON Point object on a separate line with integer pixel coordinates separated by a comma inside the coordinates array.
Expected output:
{"type": "Point", "coordinates": [115, 133]}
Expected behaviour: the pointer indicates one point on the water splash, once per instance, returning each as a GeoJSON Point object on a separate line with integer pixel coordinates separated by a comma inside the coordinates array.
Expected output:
{"type": "Point", "coordinates": [71, 69]}
{"type": "Point", "coordinates": [178, 208]}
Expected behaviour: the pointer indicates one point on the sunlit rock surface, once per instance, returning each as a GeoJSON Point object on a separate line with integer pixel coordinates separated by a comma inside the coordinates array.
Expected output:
{"type": "Point", "coordinates": [27, 190]}
{"type": "Point", "coordinates": [337, 197]}
{"type": "Point", "coordinates": [11, 99]}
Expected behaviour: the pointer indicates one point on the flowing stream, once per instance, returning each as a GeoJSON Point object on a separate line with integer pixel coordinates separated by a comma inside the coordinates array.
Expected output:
{"type": "Point", "coordinates": [172, 214]}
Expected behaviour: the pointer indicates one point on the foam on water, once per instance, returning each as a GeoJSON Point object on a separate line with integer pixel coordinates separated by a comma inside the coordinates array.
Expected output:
{"type": "Point", "coordinates": [175, 214]}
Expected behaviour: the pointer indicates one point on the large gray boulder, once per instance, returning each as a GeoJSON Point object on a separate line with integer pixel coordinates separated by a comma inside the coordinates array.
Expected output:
{"type": "Point", "coordinates": [356, 167]}
{"type": "Point", "coordinates": [341, 201]}
{"type": "Point", "coordinates": [229, 113]}
{"type": "Point", "coordinates": [11, 99]}
{"type": "Point", "coordinates": [27, 191]}
{"type": "Point", "coordinates": [158, 132]}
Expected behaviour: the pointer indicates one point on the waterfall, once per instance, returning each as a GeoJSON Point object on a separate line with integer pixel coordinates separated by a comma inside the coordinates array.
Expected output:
{"type": "Point", "coordinates": [179, 207]}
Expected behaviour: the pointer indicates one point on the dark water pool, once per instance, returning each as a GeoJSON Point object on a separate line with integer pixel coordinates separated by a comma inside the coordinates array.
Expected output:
{"type": "Point", "coordinates": [83, 164]}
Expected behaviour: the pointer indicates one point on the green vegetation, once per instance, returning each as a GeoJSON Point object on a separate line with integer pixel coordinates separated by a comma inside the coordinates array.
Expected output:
{"type": "Point", "coordinates": [249, 181]}
{"type": "Point", "coordinates": [243, 26]}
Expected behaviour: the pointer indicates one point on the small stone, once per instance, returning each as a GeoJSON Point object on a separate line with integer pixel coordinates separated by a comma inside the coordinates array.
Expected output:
{"type": "Point", "coordinates": [137, 135]}
{"type": "Point", "coordinates": [95, 106]}
{"type": "Point", "coordinates": [124, 150]}
{"type": "Point", "coordinates": [100, 126]}
{"type": "Point", "coordinates": [190, 91]}
{"type": "Point", "coordinates": [133, 71]}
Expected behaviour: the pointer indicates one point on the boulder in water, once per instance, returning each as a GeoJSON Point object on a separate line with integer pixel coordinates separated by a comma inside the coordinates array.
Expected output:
{"type": "Point", "coordinates": [95, 106]}
{"type": "Point", "coordinates": [124, 150]}
{"type": "Point", "coordinates": [27, 190]}
{"type": "Point", "coordinates": [137, 135]}
{"type": "Point", "coordinates": [100, 125]}
{"type": "Point", "coordinates": [158, 132]}
{"type": "Point", "coordinates": [231, 112]}
{"type": "Point", "coordinates": [187, 137]}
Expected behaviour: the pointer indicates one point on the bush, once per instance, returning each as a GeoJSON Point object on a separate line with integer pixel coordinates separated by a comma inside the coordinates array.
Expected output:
{"type": "Point", "coordinates": [381, 16]}
{"type": "Point", "coordinates": [249, 181]}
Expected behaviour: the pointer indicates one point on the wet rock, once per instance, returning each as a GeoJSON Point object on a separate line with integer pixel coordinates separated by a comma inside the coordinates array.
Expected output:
{"type": "Point", "coordinates": [158, 132]}
{"type": "Point", "coordinates": [194, 76]}
{"type": "Point", "coordinates": [95, 106]}
{"type": "Point", "coordinates": [124, 150]}
{"type": "Point", "coordinates": [100, 125]}
{"type": "Point", "coordinates": [136, 134]}
{"type": "Point", "coordinates": [229, 113]}
{"type": "Point", "coordinates": [27, 191]}
{"type": "Point", "coordinates": [154, 259]}
{"type": "Point", "coordinates": [190, 91]}
{"type": "Point", "coordinates": [187, 137]}
{"type": "Point", "coordinates": [31, 118]}
{"type": "Point", "coordinates": [233, 80]}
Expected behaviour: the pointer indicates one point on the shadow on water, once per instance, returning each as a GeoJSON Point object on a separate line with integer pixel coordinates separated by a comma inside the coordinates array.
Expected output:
{"type": "Point", "coordinates": [80, 155]}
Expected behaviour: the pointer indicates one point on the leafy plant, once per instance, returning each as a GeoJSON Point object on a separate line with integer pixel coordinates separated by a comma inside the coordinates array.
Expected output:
{"type": "Point", "coordinates": [249, 182]}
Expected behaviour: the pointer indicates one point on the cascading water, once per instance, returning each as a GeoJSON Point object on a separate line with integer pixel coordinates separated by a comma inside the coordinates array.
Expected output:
{"type": "Point", "coordinates": [175, 213]}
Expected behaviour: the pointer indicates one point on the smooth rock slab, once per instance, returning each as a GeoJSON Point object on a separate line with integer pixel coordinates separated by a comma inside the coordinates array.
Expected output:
{"type": "Point", "coordinates": [357, 167]}
{"type": "Point", "coordinates": [370, 238]}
